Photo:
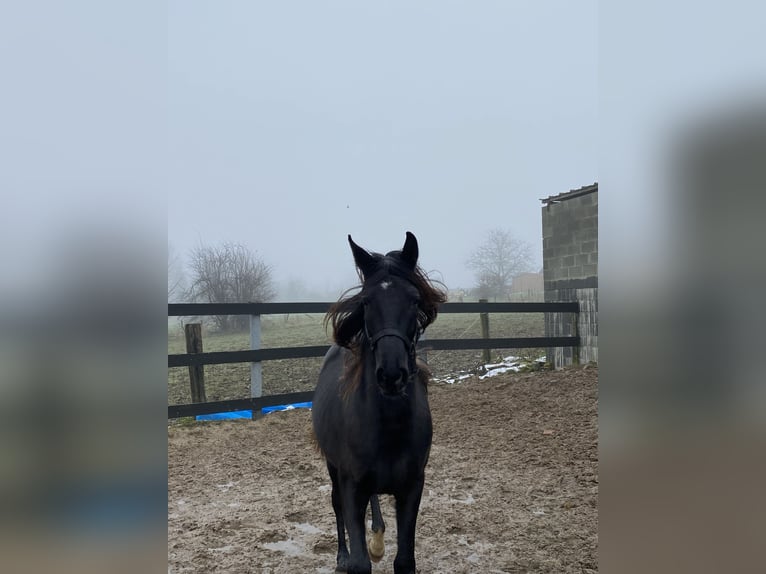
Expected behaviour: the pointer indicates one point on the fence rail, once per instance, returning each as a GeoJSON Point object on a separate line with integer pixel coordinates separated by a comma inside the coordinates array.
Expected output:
{"type": "Point", "coordinates": [201, 309]}
{"type": "Point", "coordinates": [256, 355]}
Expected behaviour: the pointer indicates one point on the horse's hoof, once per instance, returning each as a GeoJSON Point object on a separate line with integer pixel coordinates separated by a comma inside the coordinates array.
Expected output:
{"type": "Point", "coordinates": [341, 566]}
{"type": "Point", "coordinates": [376, 546]}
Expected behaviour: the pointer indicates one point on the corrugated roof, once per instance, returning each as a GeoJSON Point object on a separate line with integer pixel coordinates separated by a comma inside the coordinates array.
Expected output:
{"type": "Point", "coordinates": [563, 196]}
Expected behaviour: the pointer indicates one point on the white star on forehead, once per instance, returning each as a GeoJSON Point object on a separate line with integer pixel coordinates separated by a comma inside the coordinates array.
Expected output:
{"type": "Point", "coordinates": [385, 284]}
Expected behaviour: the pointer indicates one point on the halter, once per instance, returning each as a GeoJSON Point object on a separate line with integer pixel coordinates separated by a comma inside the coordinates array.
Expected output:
{"type": "Point", "coordinates": [410, 343]}
{"type": "Point", "coordinates": [390, 332]}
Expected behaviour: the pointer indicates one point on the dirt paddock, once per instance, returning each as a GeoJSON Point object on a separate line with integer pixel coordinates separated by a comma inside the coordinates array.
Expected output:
{"type": "Point", "coordinates": [511, 486]}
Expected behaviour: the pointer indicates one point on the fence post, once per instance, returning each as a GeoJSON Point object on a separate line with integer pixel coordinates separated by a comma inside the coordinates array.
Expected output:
{"type": "Point", "coordinates": [193, 335]}
{"type": "Point", "coordinates": [484, 318]}
{"type": "Point", "coordinates": [574, 319]}
{"type": "Point", "coordinates": [256, 373]}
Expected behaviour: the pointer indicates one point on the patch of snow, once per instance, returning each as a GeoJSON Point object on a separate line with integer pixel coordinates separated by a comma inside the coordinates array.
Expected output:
{"type": "Point", "coordinates": [509, 360]}
{"type": "Point", "coordinates": [325, 488]}
{"type": "Point", "coordinates": [511, 363]}
{"type": "Point", "coordinates": [287, 547]}
{"type": "Point", "coordinates": [307, 528]}
{"type": "Point", "coordinates": [500, 371]}
{"type": "Point", "coordinates": [538, 512]}
{"type": "Point", "coordinates": [225, 487]}
{"type": "Point", "coordinates": [468, 500]}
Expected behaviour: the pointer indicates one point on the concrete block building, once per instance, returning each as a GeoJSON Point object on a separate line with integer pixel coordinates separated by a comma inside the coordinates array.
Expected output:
{"type": "Point", "coordinates": [570, 268]}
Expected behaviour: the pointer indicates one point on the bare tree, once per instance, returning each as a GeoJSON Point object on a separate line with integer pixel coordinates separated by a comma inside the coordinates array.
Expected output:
{"type": "Point", "coordinates": [229, 273]}
{"type": "Point", "coordinates": [176, 279]}
{"type": "Point", "coordinates": [496, 260]}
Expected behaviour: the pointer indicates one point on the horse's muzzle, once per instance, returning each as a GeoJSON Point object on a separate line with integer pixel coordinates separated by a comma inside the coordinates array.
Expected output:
{"type": "Point", "coordinates": [392, 383]}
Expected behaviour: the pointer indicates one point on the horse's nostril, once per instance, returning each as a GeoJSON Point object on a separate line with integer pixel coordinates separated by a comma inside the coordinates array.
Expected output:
{"type": "Point", "coordinates": [392, 381]}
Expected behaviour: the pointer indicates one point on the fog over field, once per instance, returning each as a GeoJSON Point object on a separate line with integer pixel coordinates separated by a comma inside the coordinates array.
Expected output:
{"type": "Point", "coordinates": [291, 128]}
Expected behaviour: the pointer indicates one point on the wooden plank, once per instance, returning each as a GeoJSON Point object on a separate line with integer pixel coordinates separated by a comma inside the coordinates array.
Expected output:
{"type": "Point", "coordinates": [190, 410]}
{"type": "Point", "coordinates": [193, 336]}
{"type": "Point", "coordinates": [551, 307]}
{"type": "Point", "coordinates": [514, 343]}
{"type": "Point", "coordinates": [574, 318]}
{"type": "Point", "coordinates": [196, 309]}
{"type": "Point", "coordinates": [256, 372]}
{"type": "Point", "coordinates": [484, 319]}
{"type": "Point", "coordinates": [223, 357]}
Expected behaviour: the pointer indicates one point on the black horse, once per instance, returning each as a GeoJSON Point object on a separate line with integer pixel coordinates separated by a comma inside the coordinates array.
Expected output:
{"type": "Point", "coordinates": [370, 408]}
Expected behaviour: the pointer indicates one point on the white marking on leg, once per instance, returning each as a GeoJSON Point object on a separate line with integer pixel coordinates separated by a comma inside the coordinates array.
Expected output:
{"type": "Point", "coordinates": [376, 546]}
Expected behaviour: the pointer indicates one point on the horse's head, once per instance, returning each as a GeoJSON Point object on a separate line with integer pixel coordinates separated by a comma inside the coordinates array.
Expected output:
{"type": "Point", "coordinates": [395, 305]}
{"type": "Point", "coordinates": [390, 307]}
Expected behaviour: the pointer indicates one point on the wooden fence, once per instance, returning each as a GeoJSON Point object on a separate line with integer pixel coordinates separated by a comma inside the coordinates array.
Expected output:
{"type": "Point", "coordinates": [195, 360]}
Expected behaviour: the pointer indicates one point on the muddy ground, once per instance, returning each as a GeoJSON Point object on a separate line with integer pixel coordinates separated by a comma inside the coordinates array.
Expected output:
{"type": "Point", "coordinates": [511, 486]}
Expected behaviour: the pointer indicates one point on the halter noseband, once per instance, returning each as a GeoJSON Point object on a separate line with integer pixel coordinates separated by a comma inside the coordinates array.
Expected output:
{"type": "Point", "coordinates": [390, 333]}
{"type": "Point", "coordinates": [409, 343]}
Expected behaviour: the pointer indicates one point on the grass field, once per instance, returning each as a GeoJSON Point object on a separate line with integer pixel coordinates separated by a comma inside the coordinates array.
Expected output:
{"type": "Point", "coordinates": [232, 381]}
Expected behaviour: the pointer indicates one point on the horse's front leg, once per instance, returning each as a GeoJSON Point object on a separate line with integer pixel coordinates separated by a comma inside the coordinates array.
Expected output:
{"type": "Point", "coordinates": [407, 505]}
{"type": "Point", "coordinates": [355, 502]}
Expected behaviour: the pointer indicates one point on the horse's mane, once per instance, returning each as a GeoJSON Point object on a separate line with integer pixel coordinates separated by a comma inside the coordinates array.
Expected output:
{"type": "Point", "coordinates": [347, 315]}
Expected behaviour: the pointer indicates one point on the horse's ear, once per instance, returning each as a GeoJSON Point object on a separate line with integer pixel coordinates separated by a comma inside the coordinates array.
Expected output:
{"type": "Point", "coordinates": [364, 261]}
{"type": "Point", "coordinates": [410, 250]}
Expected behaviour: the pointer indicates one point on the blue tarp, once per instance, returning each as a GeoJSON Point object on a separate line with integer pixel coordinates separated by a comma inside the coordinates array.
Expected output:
{"type": "Point", "coordinates": [226, 416]}
{"type": "Point", "coordinates": [249, 414]}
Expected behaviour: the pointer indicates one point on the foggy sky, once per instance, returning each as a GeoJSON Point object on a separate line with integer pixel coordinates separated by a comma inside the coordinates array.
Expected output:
{"type": "Point", "coordinates": [294, 124]}
{"type": "Point", "coordinates": [464, 117]}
